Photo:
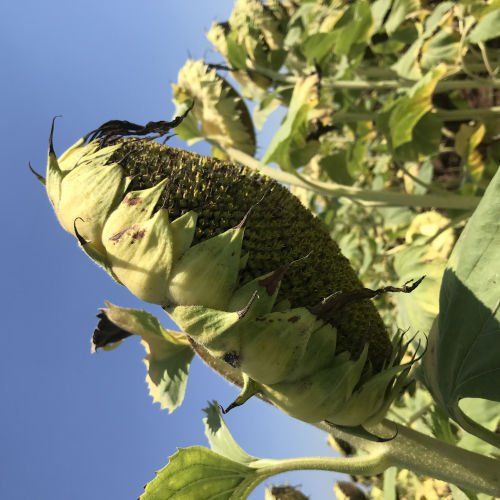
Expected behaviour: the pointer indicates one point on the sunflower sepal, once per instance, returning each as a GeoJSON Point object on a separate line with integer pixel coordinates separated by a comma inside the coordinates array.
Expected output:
{"type": "Point", "coordinates": [207, 273]}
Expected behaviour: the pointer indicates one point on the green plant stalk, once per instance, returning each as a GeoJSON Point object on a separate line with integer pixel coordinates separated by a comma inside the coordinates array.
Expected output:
{"type": "Point", "coordinates": [487, 65]}
{"type": "Point", "coordinates": [367, 465]}
{"type": "Point", "coordinates": [431, 457]}
{"type": "Point", "coordinates": [445, 115]}
{"type": "Point", "coordinates": [410, 450]}
{"type": "Point", "coordinates": [474, 428]}
{"type": "Point", "coordinates": [468, 114]}
{"type": "Point", "coordinates": [442, 86]}
{"type": "Point", "coordinates": [418, 181]}
{"type": "Point", "coordinates": [379, 84]}
{"type": "Point", "coordinates": [378, 198]}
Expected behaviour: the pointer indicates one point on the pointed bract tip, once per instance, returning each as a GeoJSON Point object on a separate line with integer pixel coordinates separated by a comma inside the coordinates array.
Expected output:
{"type": "Point", "coordinates": [79, 237]}
{"type": "Point", "coordinates": [229, 408]}
{"type": "Point", "coordinates": [36, 174]}
{"type": "Point", "coordinates": [243, 222]}
{"type": "Point", "coordinates": [241, 314]}
{"type": "Point", "coordinates": [51, 135]}
{"type": "Point", "coordinates": [272, 282]}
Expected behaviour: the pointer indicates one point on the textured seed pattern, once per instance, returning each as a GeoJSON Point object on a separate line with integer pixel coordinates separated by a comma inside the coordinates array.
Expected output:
{"type": "Point", "coordinates": [279, 230]}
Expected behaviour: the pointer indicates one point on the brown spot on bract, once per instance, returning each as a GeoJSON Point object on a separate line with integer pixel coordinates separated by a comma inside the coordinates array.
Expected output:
{"type": "Point", "coordinates": [132, 200]}
{"type": "Point", "coordinates": [294, 319]}
{"type": "Point", "coordinates": [271, 282]}
{"type": "Point", "coordinates": [137, 235]}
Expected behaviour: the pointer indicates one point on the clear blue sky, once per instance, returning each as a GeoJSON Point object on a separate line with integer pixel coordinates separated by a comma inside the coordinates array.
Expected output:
{"type": "Point", "coordinates": [74, 425]}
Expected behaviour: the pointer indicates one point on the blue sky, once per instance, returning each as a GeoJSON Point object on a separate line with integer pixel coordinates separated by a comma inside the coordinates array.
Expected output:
{"type": "Point", "coordinates": [75, 425]}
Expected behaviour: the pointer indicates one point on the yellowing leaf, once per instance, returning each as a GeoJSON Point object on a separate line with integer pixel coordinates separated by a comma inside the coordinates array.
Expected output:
{"type": "Point", "coordinates": [169, 353]}
{"type": "Point", "coordinates": [294, 126]}
{"type": "Point", "coordinates": [401, 9]}
{"type": "Point", "coordinates": [410, 108]}
{"type": "Point", "coordinates": [219, 115]}
{"type": "Point", "coordinates": [488, 27]}
{"type": "Point", "coordinates": [467, 140]}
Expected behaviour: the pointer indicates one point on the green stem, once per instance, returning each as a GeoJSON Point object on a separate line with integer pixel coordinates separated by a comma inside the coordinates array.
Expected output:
{"type": "Point", "coordinates": [379, 198]}
{"type": "Point", "coordinates": [445, 115]}
{"type": "Point", "coordinates": [429, 187]}
{"type": "Point", "coordinates": [366, 465]}
{"type": "Point", "coordinates": [486, 60]}
{"type": "Point", "coordinates": [431, 457]}
{"type": "Point", "coordinates": [468, 114]}
{"type": "Point", "coordinates": [380, 83]}
{"type": "Point", "coordinates": [413, 418]}
{"type": "Point", "coordinates": [410, 450]}
{"type": "Point", "coordinates": [443, 86]}
{"type": "Point", "coordinates": [373, 72]}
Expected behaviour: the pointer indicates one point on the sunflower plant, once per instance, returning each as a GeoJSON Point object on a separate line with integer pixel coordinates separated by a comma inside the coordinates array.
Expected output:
{"type": "Point", "coordinates": [385, 185]}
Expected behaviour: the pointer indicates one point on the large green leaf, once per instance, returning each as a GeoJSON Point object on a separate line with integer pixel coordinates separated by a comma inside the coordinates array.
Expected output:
{"type": "Point", "coordinates": [236, 53]}
{"type": "Point", "coordinates": [169, 354]}
{"type": "Point", "coordinates": [197, 473]}
{"type": "Point", "coordinates": [225, 472]}
{"type": "Point", "coordinates": [426, 136]}
{"type": "Point", "coordinates": [488, 27]}
{"type": "Point", "coordinates": [407, 66]}
{"type": "Point", "coordinates": [439, 13]}
{"type": "Point", "coordinates": [401, 9]}
{"type": "Point", "coordinates": [220, 439]}
{"type": "Point", "coordinates": [464, 359]}
{"type": "Point", "coordinates": [294, 126]}
{"type": "Point", "coordinates": [379, 10]}
{"type": "Point", "coordinates": [442, 47]}
{"type": "Point", "coordinates": [352, 28]}
{"type": "Point", "coordinates": [317, 45]}
{"type": "Point", "coordinates": [412, 107]}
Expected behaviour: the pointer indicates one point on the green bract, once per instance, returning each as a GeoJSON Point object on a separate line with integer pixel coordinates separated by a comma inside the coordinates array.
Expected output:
{"type": "Point", "coordinates": [251, 277]}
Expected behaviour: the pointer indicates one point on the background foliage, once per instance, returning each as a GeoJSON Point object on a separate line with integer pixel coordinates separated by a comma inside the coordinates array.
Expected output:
{"type": "Point", "coordinates": [390, 134]}
{"type": "Point", "coordinates": [61, 434]}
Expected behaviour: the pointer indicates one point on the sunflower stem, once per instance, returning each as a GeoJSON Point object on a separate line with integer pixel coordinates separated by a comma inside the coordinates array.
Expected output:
{"type": "Point", "coordinates": [372, 197]}
{"type": "Point", "coordinates": [367, 465]}
{"type": "Point", "coordinates": [385, 80]}
{"type": "Point", "coordinates": [429, 456]}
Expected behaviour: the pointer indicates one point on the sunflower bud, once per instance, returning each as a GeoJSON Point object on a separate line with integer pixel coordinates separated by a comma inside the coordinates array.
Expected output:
{"type": "Point", "coordinates": [252, 278]}
{"type": "Point", "coordinates": [82, 184]}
